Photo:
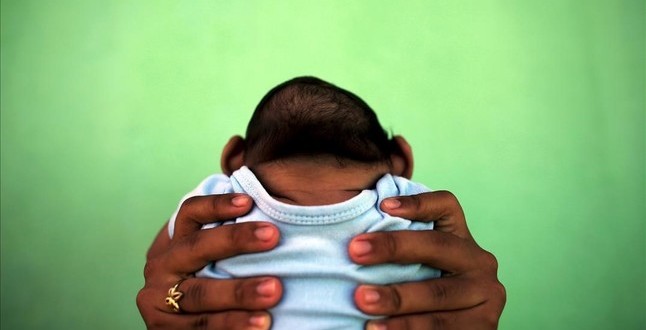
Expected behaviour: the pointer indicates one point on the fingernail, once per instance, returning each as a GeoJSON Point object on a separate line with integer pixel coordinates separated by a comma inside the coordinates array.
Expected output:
{"type": "Point", "coordinates": [370, 295]}
{"type": "Point", "coordinates": [360, 248]}
{"type": "Point", "coordinates": [392, 203]}
{"type": "Point", "coordinates": [372, 325]}
{"type": "Point", "coordinates": [241, 200]}
{"type": "Point", "coordinates": [260, 321]}
{"type": "Point", "coordinates": [266, 288]}
{"type": "Point", "coordinates": [264, 233]}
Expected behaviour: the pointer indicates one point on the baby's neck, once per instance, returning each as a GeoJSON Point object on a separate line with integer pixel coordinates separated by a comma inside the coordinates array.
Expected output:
{"type": "Point", "coordinates": [310, 183]}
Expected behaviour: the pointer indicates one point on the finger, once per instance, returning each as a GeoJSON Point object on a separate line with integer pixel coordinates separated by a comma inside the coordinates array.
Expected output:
{"type": "Point", "coordinates": [208, 295]}
{"type": "Point", "coordinates": [442, 294]}
{"type": "Point", "coordinates": [200, 295]}
{"type": "Point", "coordinates": [160, 316]}
{"type": "Point", "coordinates": [477, 318]}
{"type": "Point", "coordinates": [442, 207]}
{"type": "Point", "coordinates": [165, 319]}
{"type": "Point", "coordinates": [199, 210]}
{"type": "Point", "coordinates": [217, 321]}
{"type": "Point", "coordinates": [441, 250]}
{"type": "Point", "coordinates": [200, 248]}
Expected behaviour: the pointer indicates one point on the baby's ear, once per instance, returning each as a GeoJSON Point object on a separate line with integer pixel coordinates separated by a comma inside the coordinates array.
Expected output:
{"type": "Point", "coordinates": [401, 157]}
{"type": "Point", "coordinates": [232, 155]}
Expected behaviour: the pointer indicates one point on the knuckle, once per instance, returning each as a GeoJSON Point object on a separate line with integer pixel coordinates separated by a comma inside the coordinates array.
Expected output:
{"type": "Point", "coordinates": [142, 298]}
{"type": "Point", "coordinates": [201, 322]}
{"type": "Point", "coordinates": [498, 297]}
{"type": "Point", "coordinates": [439, 321]}
{"type": "Point", "coordinates": [490, 320]}
{"type": "Point", "coordinates": [408, 324]}
{"type": "Point", "coordinates": [449, 196]}
{"type": "Point", "coordinates": [236, 235]}
{"type": "Point", "coordinates": [216, 203]}
{"type": "Point", "coordinates": [230, 320]}
{"type": "Point", "coordinates": [453, 204]}
{"type": "Point", "coordinates": [152, 320]}
{"type": "Point", "coordinates": [395, 297]}
{"type": "Point", "coordinates": [154, 324]}
{"type": "Point", "coordinates": [196, 293]}
{"type": "Point", "coordinates": [416, 201]}
{"type": "Point", "coordinates": [398, 323]}
{"type": "Point", "coordinates": [438, 293]}
{"type": "Point", "coordinates": [150, 268]}
{"type": "Point", "coordinates": [239, 293]}
{"type": "Point", "coordinates": [187, 204]}
{"type": "Point", "coordinates": [501, 292]}
{"type": "Point", "coordinates": [439, 241]}
{"type": "Point", "coordinates": [390, 245]}
{"type": "Point", "coordinates": [192, 243]}
{"type": "Point", "coordinates": [489, 261]}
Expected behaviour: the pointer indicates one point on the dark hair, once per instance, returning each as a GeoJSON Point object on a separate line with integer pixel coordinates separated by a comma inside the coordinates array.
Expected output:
{"type": "Point", "coordinates": [307, 116]}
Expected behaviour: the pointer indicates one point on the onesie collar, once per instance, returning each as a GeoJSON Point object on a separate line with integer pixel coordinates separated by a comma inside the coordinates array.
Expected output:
{"type": "Point", "coordinates": [298, 214]}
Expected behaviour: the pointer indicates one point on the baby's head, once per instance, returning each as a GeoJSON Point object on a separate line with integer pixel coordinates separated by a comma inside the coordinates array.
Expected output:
{"type": "Point", "coordinates": [307, 118]}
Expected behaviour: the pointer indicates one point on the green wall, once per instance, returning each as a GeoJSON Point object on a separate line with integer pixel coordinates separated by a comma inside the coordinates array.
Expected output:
{"type": "Point", "coordinates": [532, 112]}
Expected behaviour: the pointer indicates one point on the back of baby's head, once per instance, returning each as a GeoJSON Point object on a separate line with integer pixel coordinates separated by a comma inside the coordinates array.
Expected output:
{"type": "Point", "coordinates": [308, 117]}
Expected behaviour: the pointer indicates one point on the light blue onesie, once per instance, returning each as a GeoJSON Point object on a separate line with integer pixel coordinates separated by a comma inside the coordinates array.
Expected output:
{"type": "Point", "coordinates": [311, 259]}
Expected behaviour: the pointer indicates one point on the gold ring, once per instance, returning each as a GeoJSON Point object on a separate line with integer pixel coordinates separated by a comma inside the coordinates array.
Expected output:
{"type": "Point", "coordinates": [174, 296]}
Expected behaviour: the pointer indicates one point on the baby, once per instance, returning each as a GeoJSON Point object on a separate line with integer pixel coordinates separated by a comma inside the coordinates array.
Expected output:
{"type": "Point", "coordinates": [317, 164]}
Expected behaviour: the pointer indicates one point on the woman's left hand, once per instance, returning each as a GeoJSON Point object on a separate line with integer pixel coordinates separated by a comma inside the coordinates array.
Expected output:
{"type": "Point", "coordinates": [467, 296]}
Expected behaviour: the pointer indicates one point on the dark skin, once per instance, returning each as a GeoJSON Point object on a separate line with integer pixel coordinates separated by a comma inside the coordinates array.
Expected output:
{"type": "Point", "coordinates": [467, 296]}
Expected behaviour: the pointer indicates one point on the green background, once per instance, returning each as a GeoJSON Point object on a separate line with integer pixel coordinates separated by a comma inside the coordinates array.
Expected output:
{"type": "Point", "coordinates": [532, 112]}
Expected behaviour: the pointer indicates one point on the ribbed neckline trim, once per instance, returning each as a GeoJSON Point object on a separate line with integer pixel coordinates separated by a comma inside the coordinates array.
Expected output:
{"type": "Point", "coordinates": [303, 215]}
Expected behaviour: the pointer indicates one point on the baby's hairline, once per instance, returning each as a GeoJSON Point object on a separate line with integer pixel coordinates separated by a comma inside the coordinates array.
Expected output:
{"type": "Point", "coordinates": [328, 160]}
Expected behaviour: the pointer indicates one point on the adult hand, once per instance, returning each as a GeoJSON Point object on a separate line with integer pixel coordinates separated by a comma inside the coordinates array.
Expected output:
{"type": "Point", "coordinates": [467, 296]}
{"type": "Point", "coordinates": [208, 303]}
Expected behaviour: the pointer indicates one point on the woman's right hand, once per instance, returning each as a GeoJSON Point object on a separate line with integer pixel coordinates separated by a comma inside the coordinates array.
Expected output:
{"type": "Point", "coordinates": [208, 303]}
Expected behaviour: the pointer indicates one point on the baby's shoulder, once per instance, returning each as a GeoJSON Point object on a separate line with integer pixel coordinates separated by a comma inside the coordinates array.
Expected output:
{"type": "Point", "coordinates": [391, 186]}
{"type": "Point", "coordinates": [214, 184]}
